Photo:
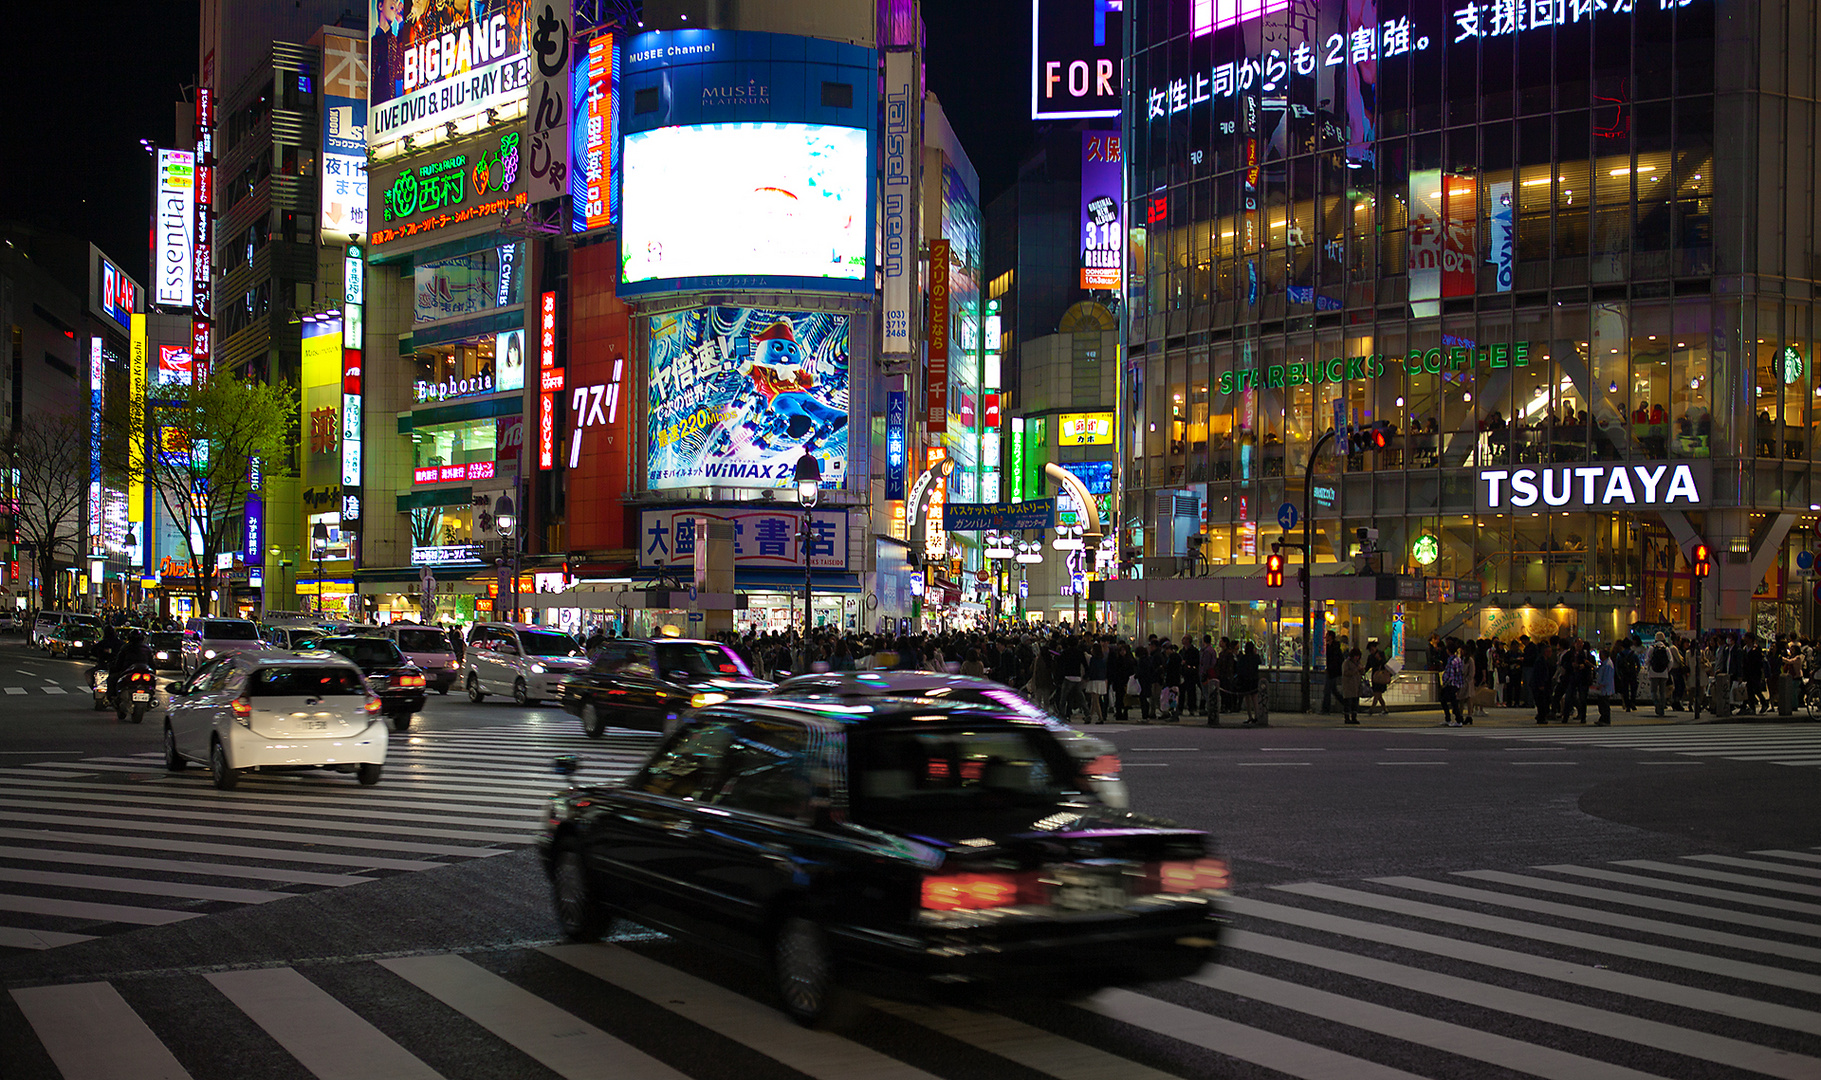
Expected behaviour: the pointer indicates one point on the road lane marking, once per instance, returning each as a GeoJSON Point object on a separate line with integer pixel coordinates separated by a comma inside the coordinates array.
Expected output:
{"type": "Point", "coordinates": [1753, 864]}
{"type": "Point", "coordinates": [1721, 875]}
{"type": "Point", "coordinates": [1292, 749]}
{"type": "Point", "coordinates": [86, 909]}
{"type": "Point", "coordinates": [1271, 763]}
{"type": "Point", "coordinates": [325, 1036]}
{"type": "Point", "coordinates": [1573, 1015]}
{"type": "Point", "coordinates": [1034, 1048]}
{"type": "Point", "coordinates": [93, 834]}
{"type": "Point", "coordinates": [1413, 763]}
{"type": "Point", "coordinates": [1686, 888]}
{"type": "Point", "coordinates": [179, 866]}
{"type": "Point", "coordinates": [1650, 954]}
{"type": "Point", "coordinates": [13, 937]}
{"type": "Point", "coordinates": [734, 1016]}
{"type": "Point", "coordinates": [152, 843]}
{"type": "Point", "coordinates": [1576, 913]}
{"type": "Point", "coordinates": [1164, 749]}
{"type": "Point", "coordinates": [91, 1033]}
{"type": "Point", "coordinates": [559, 1040]}
{"type": "Point", "coordinates": [1542, 763]}
{"type": "Point", "coordinates": [138, 886]}
{"type": "Point", "coordinates": [1543, 967]}
{"type": "Point", "coordinates": [1264, 1048]}
{"type": "Point", "coordinates": [1639, 900]}
{"type": "Point", "coordinates": [1499, 1050]}
{"type": "Point", "coordinates": [15, 689]}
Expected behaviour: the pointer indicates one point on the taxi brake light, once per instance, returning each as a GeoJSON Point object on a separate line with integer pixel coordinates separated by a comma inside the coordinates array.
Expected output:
{"type": "Point", "coordinates": [1192, 875]}
{"type": "Point", "coordinates": [1104, 765]}
{"type": "Point", "coordinates": [410, 680]}
{"type": "Point", "coordinates": [975, 892]}
{"type": "Point", "coordinates": [373, 705]}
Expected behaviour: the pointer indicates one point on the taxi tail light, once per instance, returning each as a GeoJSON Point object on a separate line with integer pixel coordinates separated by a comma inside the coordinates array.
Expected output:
{"type": "Point", "coordinates": [373, 705]}
{"type": "Point", "coordinates": [243, 711]}
{"type": "Point", "coordinates": [1104, 765]}
{"type": "Point", "coordinates": [975, 892]}
{"type": "Point", "coordinates": [1188, 875]}
{"type": "Point", "coordinates": [410, 680]}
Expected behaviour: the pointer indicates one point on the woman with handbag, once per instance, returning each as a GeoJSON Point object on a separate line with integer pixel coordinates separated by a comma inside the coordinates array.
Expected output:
{"type": "Point", "coordinates": [1379, 671]}
{"type": "Point", "coordinates": [1352, 673]}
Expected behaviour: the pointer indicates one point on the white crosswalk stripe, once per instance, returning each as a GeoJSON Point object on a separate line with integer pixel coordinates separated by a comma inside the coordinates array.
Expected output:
{"type": "Point", "coordinates": [110, 843]}
{"type": "Point", "coordinates": [1317, 981]}
{"type": "Point", "coordinates": [1774, 744]}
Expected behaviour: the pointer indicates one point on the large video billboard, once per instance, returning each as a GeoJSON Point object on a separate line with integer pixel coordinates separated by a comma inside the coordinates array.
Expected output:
{"type": "Point", "coordinates": [737, 395]}
{"type": "Point", "coordinates": [746, 201]}
{"type": "Point", "coordinates": [1075, 54]}
{"type": "Point", "coordinates": [435, 62]}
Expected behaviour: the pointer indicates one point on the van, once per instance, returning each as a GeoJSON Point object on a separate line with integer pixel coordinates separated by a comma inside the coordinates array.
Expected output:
{"type": "Point", "coordinates": [431, 650]}
{"type": "Point", "coordinates": [43, 624]}
{"type": "Point", "coordinates": [205, 639]}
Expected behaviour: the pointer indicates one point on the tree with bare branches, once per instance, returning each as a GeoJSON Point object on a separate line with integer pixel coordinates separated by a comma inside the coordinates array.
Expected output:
{"type": "Point", "coordinates": [51, 453]}
{"type": "Point", "coordinates": [205, 438]}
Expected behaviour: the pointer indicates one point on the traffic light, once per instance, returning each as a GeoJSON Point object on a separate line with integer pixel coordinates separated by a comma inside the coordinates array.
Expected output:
{"type": "Point", "coordinates": [1274, 571]}
{"type": "Point", "coordinates": [568, 575]}
{"type": "Point", "coordinates": [1373, 436]}
{"type": "Point", "coordinates": [1702, 564]}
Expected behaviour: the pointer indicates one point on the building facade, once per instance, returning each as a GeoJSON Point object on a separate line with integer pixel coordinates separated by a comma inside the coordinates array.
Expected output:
{"type": "Point", "coordinates": [1565, 252]}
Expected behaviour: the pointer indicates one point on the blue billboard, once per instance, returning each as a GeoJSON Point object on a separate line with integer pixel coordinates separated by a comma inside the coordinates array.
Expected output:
{"type": "Point", "coordinates": [747, 161]}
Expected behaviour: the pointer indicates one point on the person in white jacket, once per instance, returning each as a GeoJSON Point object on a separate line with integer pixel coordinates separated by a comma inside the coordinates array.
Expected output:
{"type": "Point", "coordinates": [1660, 660]}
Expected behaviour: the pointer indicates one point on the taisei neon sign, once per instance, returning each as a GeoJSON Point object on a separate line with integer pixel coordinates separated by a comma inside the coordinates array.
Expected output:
{"type": "Point", "coordinates": [1346, 368]}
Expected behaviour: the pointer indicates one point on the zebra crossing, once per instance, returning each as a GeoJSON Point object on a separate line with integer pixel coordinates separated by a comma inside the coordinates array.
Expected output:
{"type": "Point", "coordinates": [103, 845]}
{"type": "Point", "coordinates": [1773, 744]}
{"type": "Point", "coordinates": [1625, 970]}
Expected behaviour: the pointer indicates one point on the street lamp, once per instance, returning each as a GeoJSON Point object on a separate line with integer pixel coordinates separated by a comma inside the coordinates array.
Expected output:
{"type": "Point", "coordinates": [808, 477]}
{"type": "Point", "coordinates": [506, 522]}
{"type": "Point", "coordinates": [319, 543]}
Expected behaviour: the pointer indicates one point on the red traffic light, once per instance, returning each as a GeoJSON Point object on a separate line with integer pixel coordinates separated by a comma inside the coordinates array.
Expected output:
{"type": "Point", "coordinates": [1703, 566]}
{"type": "Point", "coordinates": [1274, 571]}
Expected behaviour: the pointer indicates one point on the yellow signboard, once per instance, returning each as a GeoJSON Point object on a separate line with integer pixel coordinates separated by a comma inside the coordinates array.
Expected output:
{"type": "Point", "coordinates": [135, 489]}
{"type": "Point", "coordinates": [1085, 429]}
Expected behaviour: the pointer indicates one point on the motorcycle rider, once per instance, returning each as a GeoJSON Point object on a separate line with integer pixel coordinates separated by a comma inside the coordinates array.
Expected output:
{"type": "Point", "coordinates": [105, 650]}
{"type": "Point", "coordinates": [135, 653]}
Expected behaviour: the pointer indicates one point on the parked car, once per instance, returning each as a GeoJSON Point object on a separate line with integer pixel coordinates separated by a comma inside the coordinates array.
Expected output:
{"type": "Point", "coordinates": [9, 623]}
{"type": "Point", "coordinates": [529, 662]}
{"type": "Point", "coordinates": [431, 650]}
{"type": "Point", "coordinates": [76, 636]}
{"type": "Point", "coordinates": [398, 682]}
{"type": "Point", "coordinates": [205, 639]}
{"type": "Point", "coordinates": [1097, 759]}
{"type": "Point", "coordinates": [653, 684]}
{"type": "Point", "coordinates": [252, 709]}
{"type": "Point", "coordinates": [167, 649]}
{"type": "Point", "coordinates": [909, 848]}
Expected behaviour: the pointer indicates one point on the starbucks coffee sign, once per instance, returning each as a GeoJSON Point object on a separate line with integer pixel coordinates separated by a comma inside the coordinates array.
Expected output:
{"type": "Point", "coordinates": [1604, 486]}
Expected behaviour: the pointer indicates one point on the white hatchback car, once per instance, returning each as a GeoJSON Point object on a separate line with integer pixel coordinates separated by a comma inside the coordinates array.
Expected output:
{"type": "Point", "coordinates": [529, 662]}
{"type": "Point", "coordinates": [253, 710]}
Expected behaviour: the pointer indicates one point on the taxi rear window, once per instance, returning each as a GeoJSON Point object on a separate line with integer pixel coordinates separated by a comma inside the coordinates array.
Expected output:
{"type": "Point", "coordinates": [952, 768]}
{"type": "Point", "coordinates": [310, 681]}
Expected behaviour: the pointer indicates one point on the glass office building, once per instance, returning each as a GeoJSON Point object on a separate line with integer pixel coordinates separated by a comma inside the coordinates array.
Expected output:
{"type": "Point", "coordinates": [1546, 242]}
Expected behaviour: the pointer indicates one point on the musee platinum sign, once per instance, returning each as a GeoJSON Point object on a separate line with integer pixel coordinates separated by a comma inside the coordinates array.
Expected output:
{"type": "Point", "coordinates": [1601, 486]}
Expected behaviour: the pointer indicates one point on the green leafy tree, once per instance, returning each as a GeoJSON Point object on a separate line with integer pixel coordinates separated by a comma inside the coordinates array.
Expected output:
{"type": "Point", "coordinates": [204, 440]}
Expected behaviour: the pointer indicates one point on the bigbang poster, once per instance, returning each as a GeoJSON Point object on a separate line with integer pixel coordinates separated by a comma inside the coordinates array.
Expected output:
{"type": "Point", "coordinates": [738, 394]}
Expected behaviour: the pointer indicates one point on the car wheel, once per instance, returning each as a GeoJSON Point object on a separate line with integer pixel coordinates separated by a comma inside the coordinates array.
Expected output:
{"type": "Point", "coordinates": [474, 689]}
{"type": "Point", "coordinates": [444, 689]}
{"type": "Point", "coordinates": [805, 969]}
{"type": "Point", "coordinates": [518, 693]}
{"type": "Point", "coordinates": [173, 761]}
{"type": "Point", "coordinates": [401, 721]}
{"type": "Point", "coordinates": [225, 778]}
{"type": "Point", "coordinates": [369, 774]}
{"type": "Point", "coordinates": [578, 904]}
{"type": "Point", "coordinates": [596, 725]}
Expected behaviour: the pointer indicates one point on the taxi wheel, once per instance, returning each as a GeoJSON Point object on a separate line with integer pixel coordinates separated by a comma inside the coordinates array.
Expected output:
{"type": "Point", "coordinates": [225, 778]}
{"type": "Point", "coordinates": [401, 721]}
{"type": "Point", "coordinates": [578, 906]}
{"type": "Point", "coordinates": [805, 969]}
{"type": "Point", "coordinates": [522, 696]}
{"type": "Point", "coordinates": [369, 774]}
{"type": "Point", "coordinates": [173, 761]}
{"type": "Point", "coordinates": [596, 725]}
{"type": "Point", "coordinates": [474, 690]}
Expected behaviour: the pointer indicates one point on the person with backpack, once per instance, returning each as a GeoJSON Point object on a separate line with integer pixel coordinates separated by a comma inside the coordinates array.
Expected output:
{"type": "Point", "coordinates": [1625, 669]}
{"type": "Point", "coordinates": [1660, 661]}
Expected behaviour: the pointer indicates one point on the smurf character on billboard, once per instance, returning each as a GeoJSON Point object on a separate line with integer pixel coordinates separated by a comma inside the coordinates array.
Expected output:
{"type": "Point", "coordinates": [786, 382]}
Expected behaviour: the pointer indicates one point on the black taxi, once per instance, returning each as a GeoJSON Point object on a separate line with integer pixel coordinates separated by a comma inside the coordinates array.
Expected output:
{"type": "Point", "coordinates": [902, 846]}
{"type": "Point", "coordinates": [651, 684]}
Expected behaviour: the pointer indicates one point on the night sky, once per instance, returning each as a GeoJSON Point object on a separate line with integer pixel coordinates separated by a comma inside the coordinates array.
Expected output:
{"type": "Point", "coordinates": [80, 101]}
{"type": "Point", "coordinates": [83, 84]}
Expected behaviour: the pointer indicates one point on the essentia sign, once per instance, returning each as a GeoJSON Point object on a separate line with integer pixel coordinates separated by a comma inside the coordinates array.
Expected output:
{"type": "Point", "coordinates": [1612, 486]}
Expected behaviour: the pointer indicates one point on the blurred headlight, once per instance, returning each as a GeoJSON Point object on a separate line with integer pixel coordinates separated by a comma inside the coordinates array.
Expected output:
{"type": "Point", "coordinates": [208, 654]}
{"type": "Point", "coordinates": [703, 701]}
{"type": "Point", "coordinates": [537, 669]}
{"type": "Point", "coordinates": [164, 656]}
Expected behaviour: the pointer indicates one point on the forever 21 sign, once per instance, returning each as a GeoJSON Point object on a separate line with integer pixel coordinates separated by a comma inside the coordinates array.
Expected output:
{"type": "Point", "coordinates": [1599, 486]}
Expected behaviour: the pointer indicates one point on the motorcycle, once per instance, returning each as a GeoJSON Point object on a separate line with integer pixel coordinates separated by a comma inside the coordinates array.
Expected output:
{"type": "Point", "coordinates": [135, 692]}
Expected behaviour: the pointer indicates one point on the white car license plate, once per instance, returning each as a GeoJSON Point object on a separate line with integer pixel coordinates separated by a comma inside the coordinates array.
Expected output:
{"type": "Point", "coordinates": [141, 695]}
{"type": "Point", "coordinates": [315, 725]}
{"type": "Point", "coordinates": [1079, 890]}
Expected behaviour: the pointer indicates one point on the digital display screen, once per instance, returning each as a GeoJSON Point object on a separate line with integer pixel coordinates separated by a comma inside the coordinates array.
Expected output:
{"type": "Point", "coordinates": [745, 201]}
{"type": "Point", "coordinates": [437, 63]}
{"type": "Point", "coordinates": [737, 395]}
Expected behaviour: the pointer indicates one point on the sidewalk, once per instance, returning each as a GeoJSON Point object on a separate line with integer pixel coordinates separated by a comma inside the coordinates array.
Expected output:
{"type": "Point", "coordinates": [1495, 717]}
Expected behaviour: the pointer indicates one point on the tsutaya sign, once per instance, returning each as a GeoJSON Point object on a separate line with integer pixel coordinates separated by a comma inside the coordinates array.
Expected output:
{"type": "Point", "coordinates": [1602, 486]}
{"type": "Point", "coordinates": [1345, 368]}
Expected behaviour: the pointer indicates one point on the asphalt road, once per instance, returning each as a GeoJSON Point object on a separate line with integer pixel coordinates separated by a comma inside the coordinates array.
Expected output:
{"type": "Point", "coordinates": [1565, 903]}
